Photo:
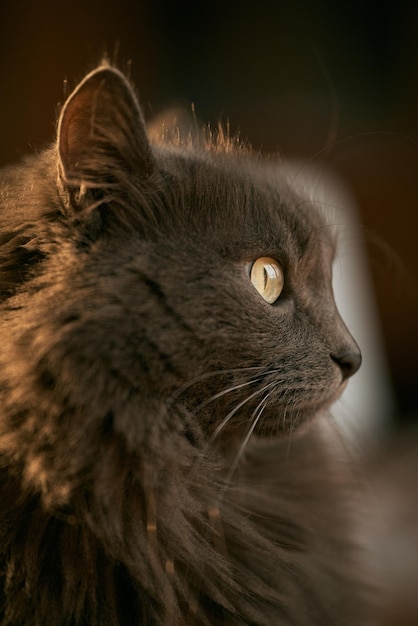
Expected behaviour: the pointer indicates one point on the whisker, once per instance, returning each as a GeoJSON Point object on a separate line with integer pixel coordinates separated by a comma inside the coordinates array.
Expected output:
{"type": "Point", "coordinates": [284, 416]}
{"type": "Point", "coordinates": [224, 422]}
{"type": "Point", "coordinates": [226, 419]}
{"type": "Point", "coordinates": [178, 392]}
{"type": "Point", "coordinates": [226, 391]}
{"type": "Point", "coordinates": [292, 428]}
{"type": "Point", "coordinates": [263, 427]}
{"type": "Point", "coordinates": [255, 417]}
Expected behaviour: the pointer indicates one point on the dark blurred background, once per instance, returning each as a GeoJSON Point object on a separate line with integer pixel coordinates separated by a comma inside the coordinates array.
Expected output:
{"type": "Point", "coordinates": [324, 80]}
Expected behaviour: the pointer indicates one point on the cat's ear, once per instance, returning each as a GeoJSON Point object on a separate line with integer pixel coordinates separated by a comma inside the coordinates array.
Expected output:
{"type": "Point", "coordinates": [101, 134]}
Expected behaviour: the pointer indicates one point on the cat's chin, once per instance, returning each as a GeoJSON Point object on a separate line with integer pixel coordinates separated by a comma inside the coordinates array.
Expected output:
{"type": "Point", "coordinates": [278, 424]}
{"type": "Point", "coordinates": [288, 420]}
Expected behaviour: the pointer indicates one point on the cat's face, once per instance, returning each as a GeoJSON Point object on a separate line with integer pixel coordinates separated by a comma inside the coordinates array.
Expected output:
{"type": "Point", "coordinates": [244, 291]}
{"type": "Point", "coordinates": [174, 277]}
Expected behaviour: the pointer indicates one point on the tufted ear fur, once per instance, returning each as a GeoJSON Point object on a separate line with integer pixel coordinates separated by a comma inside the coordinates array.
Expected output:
{"type": "Point", "coordinates": [101, 135]}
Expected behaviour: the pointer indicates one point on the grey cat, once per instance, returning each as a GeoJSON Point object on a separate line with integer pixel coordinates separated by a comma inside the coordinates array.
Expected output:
{"type": "Point", "coordinates": [168, 339]}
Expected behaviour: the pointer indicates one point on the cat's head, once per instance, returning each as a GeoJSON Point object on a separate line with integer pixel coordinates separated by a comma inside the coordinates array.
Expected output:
{"type": "Point", "coordinates": [183, 285]}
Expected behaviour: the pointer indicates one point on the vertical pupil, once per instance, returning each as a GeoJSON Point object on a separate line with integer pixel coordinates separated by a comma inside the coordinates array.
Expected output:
{"type": "Point", "coordinates": [265, 276]}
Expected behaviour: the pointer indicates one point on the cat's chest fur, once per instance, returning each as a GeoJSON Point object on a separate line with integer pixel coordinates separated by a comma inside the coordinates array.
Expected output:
{"type": "Point", "coordinates": [168, 335]}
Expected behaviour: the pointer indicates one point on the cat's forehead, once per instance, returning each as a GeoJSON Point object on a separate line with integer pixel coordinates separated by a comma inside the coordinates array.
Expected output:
{"type": "Point", "coordinates": [257, 205]}
{"type": "Point", "coordinates": [291, 208]}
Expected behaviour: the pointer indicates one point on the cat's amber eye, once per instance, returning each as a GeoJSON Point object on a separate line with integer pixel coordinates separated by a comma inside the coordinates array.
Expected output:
{"type": "Point", "coordinates": [267, 277]}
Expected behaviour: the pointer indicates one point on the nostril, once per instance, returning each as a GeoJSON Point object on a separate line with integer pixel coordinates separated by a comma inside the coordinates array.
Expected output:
{"type": "Point", "coordinates": [349, 362]}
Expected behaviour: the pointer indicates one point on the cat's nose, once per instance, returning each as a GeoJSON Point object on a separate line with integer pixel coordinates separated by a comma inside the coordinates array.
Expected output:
{"type": "Point", "coordinates": [348, 362]}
